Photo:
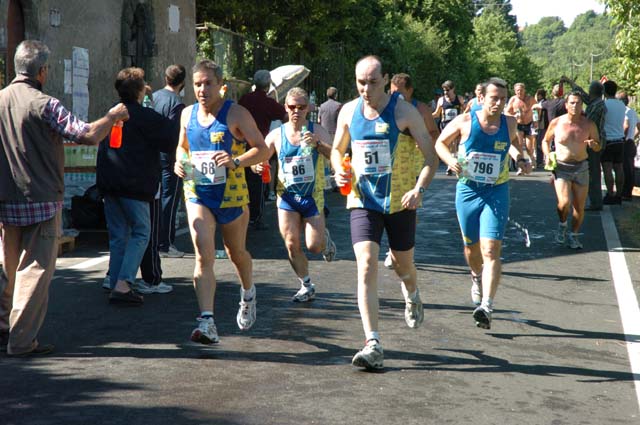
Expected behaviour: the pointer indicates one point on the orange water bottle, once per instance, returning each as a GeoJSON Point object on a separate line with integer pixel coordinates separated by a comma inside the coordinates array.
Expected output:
{"type": "Point", "coordinates": [115, 140]}
{"type": "Point", "coordinates": [266, 173]}
{"type": "Point", "coordinates": [346, 166]}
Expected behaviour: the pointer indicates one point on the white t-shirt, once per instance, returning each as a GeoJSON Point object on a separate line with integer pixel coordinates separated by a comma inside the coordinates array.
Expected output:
{"type": "Point", "coordinates": [632, 118]}
{"type": "Point", "coordinates": [614, 119]}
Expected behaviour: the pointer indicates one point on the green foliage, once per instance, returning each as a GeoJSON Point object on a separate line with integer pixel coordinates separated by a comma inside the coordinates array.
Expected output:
{"type": "Point", "coordinates": [498, 54]}
{"type": "Point", "coordinates": [559, 51]}
{"type": "Point", "coordinates": [626, 16]}
{"type": "Point", "coordinates": [433, 40]}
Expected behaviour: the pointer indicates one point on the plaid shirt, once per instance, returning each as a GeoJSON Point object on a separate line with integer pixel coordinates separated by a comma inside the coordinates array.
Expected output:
{"type": "Point", "coordinates": [27, 213]}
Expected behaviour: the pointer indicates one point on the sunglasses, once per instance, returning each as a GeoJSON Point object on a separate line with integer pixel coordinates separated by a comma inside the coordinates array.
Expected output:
{"type": "Point", "coordinates": [296, 107]}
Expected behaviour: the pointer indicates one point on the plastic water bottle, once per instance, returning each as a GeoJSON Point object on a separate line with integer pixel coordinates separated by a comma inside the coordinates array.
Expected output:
{"type": "Point", "coordinates": [115, 140]}
{"type": "Point", "coordinates": [346, 166]}
{"type": "Point", "coordinates": [462, 160]}
{"type": "Point", "coordinates": [187, 166]}
{"type": "Point", "coordinates": [553, 162]}
{"type": "Point", "coordinates": [266, 173]}
{"type": "Point", "coordinates": [306, 148]}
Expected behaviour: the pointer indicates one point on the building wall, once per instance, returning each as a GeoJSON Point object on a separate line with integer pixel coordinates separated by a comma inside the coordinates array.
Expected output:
{"type": "Point", "coordinates": [97, 25]}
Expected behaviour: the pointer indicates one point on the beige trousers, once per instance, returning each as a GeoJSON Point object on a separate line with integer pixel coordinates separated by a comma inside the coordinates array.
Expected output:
{"type": "Point", "coordinates": [29, 263]}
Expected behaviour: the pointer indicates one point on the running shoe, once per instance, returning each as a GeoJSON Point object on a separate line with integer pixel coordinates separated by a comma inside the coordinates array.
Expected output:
{"type": "Point", "coordinates": [476, 289]}
{"type": "Point", "coordinates": [172, 252]}
{"type": "Point", "coordinates": [329, 253]}
{"type": "Point", "coordinates": [573, 241]}
{"type": "Point", "coordinates": [371, 357]}
{"type": "Point", "coordinates": [305, 294]}
{"type": "Point", "coordinates": [206, 331]}
{"type": "Point", "coordinates": [561, 234]}
{"type": "Point", "coordinates": [147, 288]}
{"type": "Point", "coordinates": [482, 316]}
{"type": "Point", "coordinates": [413, 309]}
{"type": "Point", "coordinates": [388, 261]}
{"type": "Point", "coordinates": [246, 314]}
{"type": "Point", "coordinates": [106, 283]}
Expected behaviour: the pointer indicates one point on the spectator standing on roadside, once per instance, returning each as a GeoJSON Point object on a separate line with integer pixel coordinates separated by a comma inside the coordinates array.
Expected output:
{"type": "Point", "coordinates": [263, 109]}
{"type": "Point", "coordinates": [168, 102]}
{"type": "Point", "coordinates": [31, 193]}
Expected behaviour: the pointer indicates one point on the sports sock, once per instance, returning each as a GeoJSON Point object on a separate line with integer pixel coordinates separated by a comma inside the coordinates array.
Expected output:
{"type": "Point", "coordinates": [372, 335]}
{"type": "Point", "coordinates": [306, 281]}
{"type": "Point", "coordinates": [206, 314]}
{"type": "Point", "coordinates": [248, 294]}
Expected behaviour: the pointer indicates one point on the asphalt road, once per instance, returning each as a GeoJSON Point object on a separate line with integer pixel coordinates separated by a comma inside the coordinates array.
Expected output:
{"type": "Point", "coordinates": [556, 353]}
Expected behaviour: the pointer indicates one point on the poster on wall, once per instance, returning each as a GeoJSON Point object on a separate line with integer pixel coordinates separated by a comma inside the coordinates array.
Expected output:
{"type": "Point", "coordinates": [80, 82]}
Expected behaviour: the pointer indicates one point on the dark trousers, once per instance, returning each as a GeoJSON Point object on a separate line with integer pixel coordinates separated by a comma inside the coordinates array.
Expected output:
{"type": "Point", "coordinates": [170, 199]}
{"type": "Point", "coordinates": [256, 195]}
{"type": "Point", "coordinates": [595, 179]}
{"type": "Point", "coordinates": [629, 168]}
{"type": "Point", "coordinates": [150, 265]}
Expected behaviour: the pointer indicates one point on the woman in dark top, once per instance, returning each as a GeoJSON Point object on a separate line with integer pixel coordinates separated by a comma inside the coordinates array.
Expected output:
{"type": "Point", "coordinates": [128, 177]}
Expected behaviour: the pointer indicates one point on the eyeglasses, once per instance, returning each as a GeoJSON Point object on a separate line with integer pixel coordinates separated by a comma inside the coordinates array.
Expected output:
{"type": "Point", "coordinates": [296, 107]}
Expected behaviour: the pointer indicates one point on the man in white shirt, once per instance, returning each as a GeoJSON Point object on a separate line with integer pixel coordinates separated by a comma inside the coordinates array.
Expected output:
{"type": "Point", "coordinates": [613, 155]}
{"type": "Point", "coordinates": [631, 126]}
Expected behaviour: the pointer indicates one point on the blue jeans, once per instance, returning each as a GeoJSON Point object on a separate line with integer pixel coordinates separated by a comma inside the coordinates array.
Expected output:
{"type": "Point", "coordinates": [129, 228]}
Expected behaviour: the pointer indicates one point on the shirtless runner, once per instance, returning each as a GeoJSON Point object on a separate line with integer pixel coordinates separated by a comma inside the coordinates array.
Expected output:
{"type": "Point", "coordinates": [572, 133]}
{"type": "Point", "coordinates": [521, 106]}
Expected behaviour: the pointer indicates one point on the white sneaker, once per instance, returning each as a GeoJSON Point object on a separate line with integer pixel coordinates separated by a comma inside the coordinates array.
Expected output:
{"type": "Point", "coordinates": [482, 316]}
{"type": "Point", "coordinates": [413, 309]}
{"type": "Point", "coordinates": [206, 332]}
{"type": "Point", "coordinates": [106, 283]}
{"type": "Point", "coordinates": [388, 261]}
{"type": "Point", "coordinates": [561, 234]}
{"type": "Point", "coordinates": [246, 314]}
{"type": "Point", "coordinates": [329, 253]}
{"type": "Point", "coordinates": [146, 288]}
{"type": "Point", "coordinates": [476, 289]}
{"type": "Point", "coordinates": [305, 294]}
{"type": "Point", "coordinates": [173, 252]}
{"type": "Point", "coordinates": [371, 357]}
{"type": "Point", "coordinates": [573, 241]}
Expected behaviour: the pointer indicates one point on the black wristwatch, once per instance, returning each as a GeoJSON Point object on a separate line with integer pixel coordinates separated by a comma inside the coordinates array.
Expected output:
{"type": "Point", "coordinates": [236, 162]}
{"type": "Point", "coordinates": [421, 189]}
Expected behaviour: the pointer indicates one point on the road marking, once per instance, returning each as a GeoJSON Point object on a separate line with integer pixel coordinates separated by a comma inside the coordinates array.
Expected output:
{"type": "Point", "coordinates": [99, 260]}
{"type": "Point", "coordinates": [89, 263]}
{"type": "Point", "coordinates": [627, 299]}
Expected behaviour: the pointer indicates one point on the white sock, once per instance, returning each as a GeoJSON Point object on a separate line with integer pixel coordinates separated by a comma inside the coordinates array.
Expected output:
{"type": "Point", "coordinates": [372, 335]}
{"type": "Point", "coordinates": [487, 303]}
{"type": "Point", "coordinates": [248, 294]}
{"type": "Point", "coordinates": [206, 314]}
{"type": "Point", "coordinates": [306, 281]}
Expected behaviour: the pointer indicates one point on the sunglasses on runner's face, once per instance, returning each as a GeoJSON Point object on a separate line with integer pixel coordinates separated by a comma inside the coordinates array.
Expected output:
{"type": "Point", "coordinates": [296, 107]}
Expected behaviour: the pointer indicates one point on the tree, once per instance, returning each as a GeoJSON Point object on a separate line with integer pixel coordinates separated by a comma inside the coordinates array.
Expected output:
{"type": "Point", "coordinates": [626, 16]}
{"type": "Point", "coordinates": [538, 38]}
{"type": "Point", "coordinates": [496, 48]}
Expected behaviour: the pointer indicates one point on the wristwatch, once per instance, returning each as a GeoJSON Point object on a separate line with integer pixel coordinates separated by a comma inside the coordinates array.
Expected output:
{"type": "Point", "coordinates": [236, 162]}
{"type": "Point", "coordinates": [421, 189]}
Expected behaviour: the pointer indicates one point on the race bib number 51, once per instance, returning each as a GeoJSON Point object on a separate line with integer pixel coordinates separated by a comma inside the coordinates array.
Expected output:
{"type": "Point", "coordinates": [205, 171]}
{"type": "Point", "coordinates": [371, 156]}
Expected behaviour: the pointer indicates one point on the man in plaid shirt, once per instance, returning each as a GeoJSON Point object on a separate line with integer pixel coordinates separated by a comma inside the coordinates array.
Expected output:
{"type": "Point", "coordinates": [32, 128]}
